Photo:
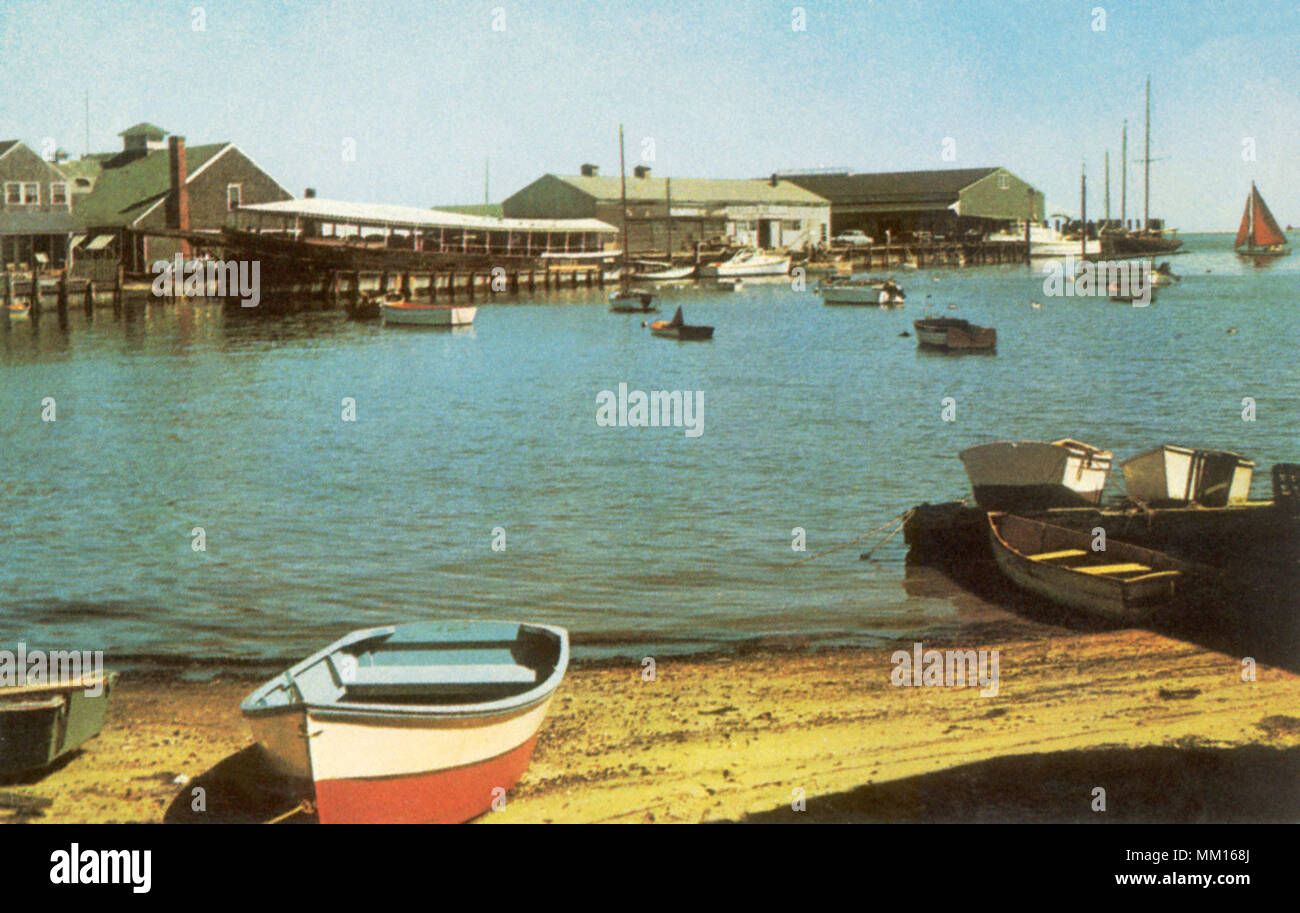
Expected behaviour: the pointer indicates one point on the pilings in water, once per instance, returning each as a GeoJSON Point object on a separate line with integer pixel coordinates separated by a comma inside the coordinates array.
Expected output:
{"type": "Point", "coordinates": [34, 296]}
{"type": "Point", "coordinates": [118, 282]}
{"type": "Point", "coordinates": [8, 299]}
{"type": "Point", "coordinates": [88, 300]}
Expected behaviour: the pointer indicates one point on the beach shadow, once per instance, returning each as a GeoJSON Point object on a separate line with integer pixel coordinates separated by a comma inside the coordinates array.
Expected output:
{"type": "Point", "coordinates": [241, 789]}
{"type": "Point", "coordinates": [1250, 784]}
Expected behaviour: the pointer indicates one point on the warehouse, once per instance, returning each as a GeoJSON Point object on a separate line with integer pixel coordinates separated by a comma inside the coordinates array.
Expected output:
{"type": "Point", "coordinates": [676, 213]}
{"type": "Point", "coordinates": [954, 204]}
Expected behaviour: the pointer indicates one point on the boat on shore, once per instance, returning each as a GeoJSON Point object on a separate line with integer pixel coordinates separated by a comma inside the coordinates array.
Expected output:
{"type": "Point", "coordinates": [409, 313]}
{"type": "Point", "coordinates": [1174, 475]}
{"type": "Point", "coordinates": [417, 723]}
{"type": "Point", "coordinates": [1034, 475]}
{"type": "Point", "coordinates": [678, 329]}
{"type": "Point", "coordinates": [879, 292]}
{"type": "Point", "coordinates": [953, 334]}
{"type": "Point", "coordinates": [40, 723]}
{"type": "Point", "coordinates": [748, 262]}
{"type": "Point", "coordinates": [1121, 583]}
{"type": "Point", "coordinates": [1259, 236]}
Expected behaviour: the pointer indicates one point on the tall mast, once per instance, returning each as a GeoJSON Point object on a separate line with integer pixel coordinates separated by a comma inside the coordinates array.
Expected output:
{"type": "Point", "coordinates": [1146, 166]}
{"type": "Point", "coordinates": [1108, 187]}
{"type": "Point", "coordinates": [668, 198]}
{"type": "Point", "coordinates": [1083, 212]}
{"type": "Point", "coordinates": [1123, 177]}
{"type": "Point", "coordinates": [622, 177]}
{"type": "Point", "coordinates": [1250, 207]}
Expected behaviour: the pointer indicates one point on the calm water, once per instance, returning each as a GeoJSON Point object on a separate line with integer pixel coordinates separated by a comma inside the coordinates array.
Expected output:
{"type": "Point", "coordinates": [817, 417]}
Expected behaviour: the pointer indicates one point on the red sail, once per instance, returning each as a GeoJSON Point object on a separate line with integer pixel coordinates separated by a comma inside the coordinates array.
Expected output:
{"type": "Point", "coordinates": [1244, 231]}
{"type": "Point", "coordinates": [1267, 232]}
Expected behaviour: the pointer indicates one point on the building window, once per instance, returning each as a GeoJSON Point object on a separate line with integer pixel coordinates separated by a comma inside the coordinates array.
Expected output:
{"type": "Point", "coordinates": [234, 196]}
{"type": "Point", "coordinates": [58, 194]}
{"type": "Point", "coordinates": [791, 224]}
{"type": "Point", "coordinates": [1004, 181]}
{"type": "Point", "coordinates": [32, 194]}
{"type": "Point", "coordinates": [13, 193]}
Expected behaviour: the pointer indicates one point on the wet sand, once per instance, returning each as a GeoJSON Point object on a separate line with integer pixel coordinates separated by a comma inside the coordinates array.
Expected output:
{"type": "Point", "coordinates": [1168, 729]}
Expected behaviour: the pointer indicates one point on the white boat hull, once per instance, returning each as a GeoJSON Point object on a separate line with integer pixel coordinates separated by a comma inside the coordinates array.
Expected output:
{"type": "Point", "coordinates": [1181, 475]}
{"type": "Point", "coordinates": [429, 315]}
{"type": "Point", "coordinates": [859, 294]}
{"type": "Point", "coordinates": [750, 266]}
{"type": "Point", "coordinates": [1008, 475]}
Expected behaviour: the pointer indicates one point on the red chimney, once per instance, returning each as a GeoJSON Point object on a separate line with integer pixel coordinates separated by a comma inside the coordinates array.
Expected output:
{"type": "Point", "coordinates": [178, 200]}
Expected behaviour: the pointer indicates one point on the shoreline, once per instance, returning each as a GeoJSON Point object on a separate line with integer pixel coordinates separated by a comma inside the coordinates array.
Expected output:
{"type": "Point", "coordinates": [1167, 728]}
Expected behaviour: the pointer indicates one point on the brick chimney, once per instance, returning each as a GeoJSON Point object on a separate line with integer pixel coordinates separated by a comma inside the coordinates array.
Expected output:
{"type": "Point", "coordinates": [178, 199]}
{"type": "Point", "coordinates": [641, 171]}
{"type": "Point", "coordinates": [309, 193]}
{"type": "Point", "coordinates": [589, 170]}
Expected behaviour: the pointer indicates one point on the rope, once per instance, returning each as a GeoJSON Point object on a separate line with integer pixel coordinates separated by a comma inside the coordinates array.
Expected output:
{"type": "Point", "coordinates": [304, 807]}
{"type": "Point", "coordinates": [901, 519]}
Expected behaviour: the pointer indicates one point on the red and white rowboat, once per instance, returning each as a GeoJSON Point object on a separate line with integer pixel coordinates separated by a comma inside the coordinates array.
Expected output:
{"type": "Point", "coordinates": [419, 723]}
{"type": "Point", "coordinates": [427, 315]}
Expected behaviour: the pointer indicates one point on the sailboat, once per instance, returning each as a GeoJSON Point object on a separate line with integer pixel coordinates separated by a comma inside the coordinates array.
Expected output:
{"type": "Point", "coordinates": [1147, 240]}
{"type": "Point", "coordinates": [627, 300]}
{"type": "Point", "coordinates": [1259, 235]}
{"type": "Point", "coordinates": [667, 272]}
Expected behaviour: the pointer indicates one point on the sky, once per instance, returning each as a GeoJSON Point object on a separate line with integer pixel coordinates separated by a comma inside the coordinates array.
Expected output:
{"type": "Point", "coordinates": [406, 102]}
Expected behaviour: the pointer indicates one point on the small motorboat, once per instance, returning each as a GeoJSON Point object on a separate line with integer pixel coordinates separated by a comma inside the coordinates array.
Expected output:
{"type": "Point", "coordinates": [1033, 475]}
{"type": "Point", "coordinates": [666, 273]}
{"type": "Point", "coordinates": [1122, 583]}
{"type": "Point", "coordinates": [954, 334]}
{"type": "Point", "coordinates": [632, 301]}
{"type": "Point", "coordinates": [1163, 276]}
{"type": "Point", "coordinates": [1173, 475]}
{"type": "Point", "coordinates": [416, 723]}
{"type": "Point", "coordinates": [748, 262]}
{"type": "Point", "coordinates": [678, 329]}
{"type": "Point", "coordinates": [879, 292]}
{"type": "Point", "coordinates": [19, 311]}
{"type": "Point", "coordinates": [40, 723]}
{"type": "Point", "coordinates": [409, 313]}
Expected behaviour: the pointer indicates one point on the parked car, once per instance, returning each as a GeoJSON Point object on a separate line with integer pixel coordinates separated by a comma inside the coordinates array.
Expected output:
{"type": "Point", "coordinates": [853, 238]}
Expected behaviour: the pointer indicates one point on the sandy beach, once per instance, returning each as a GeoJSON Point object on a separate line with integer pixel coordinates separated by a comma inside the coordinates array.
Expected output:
{"type": "Point", "coordinates": [1169, 730]}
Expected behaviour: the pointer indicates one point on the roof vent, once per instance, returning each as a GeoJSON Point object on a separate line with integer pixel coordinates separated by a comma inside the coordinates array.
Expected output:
{"type": "Point", "coordinates": [773, 179]}
{"type": "Point", "coordinates": [590, 171]}
{"type": "Point", "coordinates": [641, 171]}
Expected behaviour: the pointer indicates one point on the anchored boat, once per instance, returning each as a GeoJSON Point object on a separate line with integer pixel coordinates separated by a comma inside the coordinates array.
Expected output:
{"type": "Point", "coordinates": [1033, 475]}
{"type": "Point", "coordinates": [880, 292]}
{"type": "Point", "coordinates": [416, 723]}
{"type": "Point", "coordinates": [1259, 235]}
{"type": "Point", "coordinates": [41, 723]}
{"type": "Point", "coordinates": [408, 313]}
{"type": "Point", "coordinates": [1173, 475]}
{"type": "Point", "coordinates": [1123, 582]}
{"type": "Point", "coordinates": [951, 333]}
{"type": "Point", "coordinates": [748, 262]}
{"type": "Point", "coordinates": [678, 329]}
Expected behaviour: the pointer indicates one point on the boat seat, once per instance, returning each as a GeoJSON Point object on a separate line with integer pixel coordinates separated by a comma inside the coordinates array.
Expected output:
{"type": "Point", "coordinates": [389, 677]}
{"type": "Point", "coordinates": [1064, 553]}
{"type": "Point", "coordinates": [1112, 568]}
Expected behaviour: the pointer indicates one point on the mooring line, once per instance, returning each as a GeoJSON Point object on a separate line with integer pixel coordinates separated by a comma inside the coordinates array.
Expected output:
{"type": "Point", "coordinates": [901, 519]}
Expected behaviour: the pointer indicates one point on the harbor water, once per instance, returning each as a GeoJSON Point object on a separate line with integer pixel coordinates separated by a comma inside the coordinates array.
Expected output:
{"type": "Point", "coordinates": [340, 474]}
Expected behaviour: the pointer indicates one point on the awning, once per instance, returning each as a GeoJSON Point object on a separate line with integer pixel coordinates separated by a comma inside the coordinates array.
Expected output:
{"type": "Point", "coordinates": [100, 242]}
{"type": "Point", "coordinates": [76, 239]}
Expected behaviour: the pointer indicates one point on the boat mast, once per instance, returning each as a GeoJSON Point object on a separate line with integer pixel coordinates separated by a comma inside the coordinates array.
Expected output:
{"type": "Point", "coordinates": [668, 199]}
{"type": "Point", "coordinates": [1146, 167]}
{"type": "Point", "coordinates": [1123, 177]}
{"type": "Point", "coordinates": [622, 177]}
{"type": "Point", "coordinates": [1107, 187]}
{"type": "Point", "coordinates": [1083, 212]}
{"type": "Point", "coordinates": [1250, 212]}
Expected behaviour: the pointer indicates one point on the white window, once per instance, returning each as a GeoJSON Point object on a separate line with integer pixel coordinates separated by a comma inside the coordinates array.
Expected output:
{"type": "Point", "coordinates": [234, 196]}
{"type": "Point", "coordinates": [1004, 181]}
{"type": "Point", "coordinates": [32, 194]}
{"type": "Point", "coordinates": [58, 194]}
{"type": "Point", "coordinates": [13, 193]}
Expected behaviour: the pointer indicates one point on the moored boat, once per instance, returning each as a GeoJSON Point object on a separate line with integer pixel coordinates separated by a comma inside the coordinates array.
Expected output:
{"type": "Point", "coordinates": [878, 292]}
{"type": "Point", "coordinates": [678, 329]}
{"type": "Point", "coordinates": [1122, 582]}
{"type": "Point", "coordinates": [1173, 475]}
{"type": "Point", "coordinates": [1259, 235]}
{"type": "Point", "coordinates": [954, 334]}
{"type": "Point", "coordinates": [409, 313]}
{"type": "Point", "coordinates": [748, 262]}
{"type": "Point", "coordinates": [19, 311]}
{"type": "Point", "coordinates": [415, 723]}
{"type": "Point", "coordinates": [632, 301]}
{"type": "Point", "coordinates": [1034, 475]}
{"type": "Point", "coordinates": [40, 723]}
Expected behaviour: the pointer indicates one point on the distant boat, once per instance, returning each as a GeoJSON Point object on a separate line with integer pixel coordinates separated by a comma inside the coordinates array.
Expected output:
{"type": "Point", "coordinates": [878, 292]}
{"type": "Point", "coordinates": [1163, 275]}
{"type": "Point", "coordinates": [952, 333]}
{"type": "Point", "coordinates": [678, 329]}
{"type": "Point", "coordinates": [1033, 475]}
{"type": "Point", "coordinates": [666, 273]}
{"type": "Point", "coordinates": [408, 313]}
{"type": "Point", "coordinates": [1122, 583]}
{"type": "Point", "coordinates": [626, 299]}
{"type": "Point", "coordinates": [1259, 236]}
{"type": "Point", "coordinates": [20, 311]}
{"type": "Point", "coordinates": [41, 723]}
{"type": "Point", "coordinates": [1047, 241]}
{"type": "Point", "coordinates": [1173, 475]}
{"type": "Point", "coordinates": [748, 262]}
{"type": "Point", "coordinates": [632, 301]}
{"type": "Point", "coordinates": [415, 724]}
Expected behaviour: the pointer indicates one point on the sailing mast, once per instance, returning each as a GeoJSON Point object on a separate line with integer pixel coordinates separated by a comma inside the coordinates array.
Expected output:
{"type": "Point", "coordinates": [1108, 187]}
{"type": "Point", "coordinates": [1083, 212]}
{"type": "Point", "coordinates": [1123, 177]}
{"type": "Point", "coordinates": [1146, 167]}
{"type": "Point", "coordinates": [668, 198]}
{"type": "Point", "coordinates": [622, 177]}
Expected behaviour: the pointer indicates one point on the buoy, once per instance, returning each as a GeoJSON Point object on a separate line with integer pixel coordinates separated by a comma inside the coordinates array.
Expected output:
{"type": "Point", "coordinates": [1232, 331]}
{"type": "Point", "coordinates": [905, 333]}
{"type": "Point", "coordinates": [1035, 305]}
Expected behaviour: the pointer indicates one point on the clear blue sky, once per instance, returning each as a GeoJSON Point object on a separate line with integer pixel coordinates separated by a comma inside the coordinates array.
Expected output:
{"type": "Point", "coordinates": [428, 90]}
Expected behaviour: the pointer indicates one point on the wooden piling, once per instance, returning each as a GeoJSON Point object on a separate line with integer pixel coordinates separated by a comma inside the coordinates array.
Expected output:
{"type": "Point", "coordinates": [433, 288]}
{"type": "Point", "coordinates": [88, 299]}
{"type": "Point", "coordinates": [470, 285]}
{"type": "Point", "coordinates": [117, 290]}
{"type": "Point", "coordinates": [34, 295]}
{"type": "Point", "coordinates": [406, 286]}
{"type": "Point", "coordinates": [61, 298]}
{"type": "Point", "coordinates": [8, 297]}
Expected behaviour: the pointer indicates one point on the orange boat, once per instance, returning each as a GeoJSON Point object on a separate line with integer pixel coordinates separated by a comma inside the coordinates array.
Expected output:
{"type": "Point", "coordinates": [1259, 235]}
